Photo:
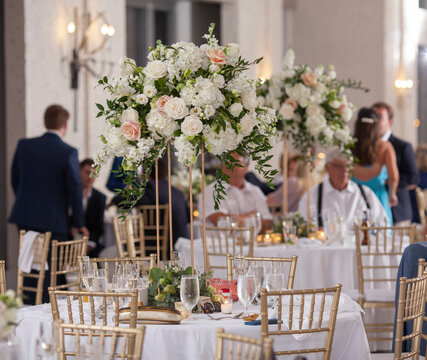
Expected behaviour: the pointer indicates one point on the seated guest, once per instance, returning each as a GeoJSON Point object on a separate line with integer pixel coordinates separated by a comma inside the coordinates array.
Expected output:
{"type": "Point", "coordinates": [180, 211]}
{"type": "Point", "coordinates": [243, 199]}
{"type": "Point", "coordinates": [421, 159]}
{"type": "Point", "coordinates": [253, 179]}
{"type": "Point", "coordinates": [338, 194]}
{"type": "Point", "coordinates": [93, 207]}
{"type": "Point", "coordinates": [296, 181]}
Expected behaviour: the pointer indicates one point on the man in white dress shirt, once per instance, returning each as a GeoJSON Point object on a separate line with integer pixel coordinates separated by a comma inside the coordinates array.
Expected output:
{"type": "Point", "coordinates": [341, 196]}
{"type": "Point", "coordinates": [243, 199]}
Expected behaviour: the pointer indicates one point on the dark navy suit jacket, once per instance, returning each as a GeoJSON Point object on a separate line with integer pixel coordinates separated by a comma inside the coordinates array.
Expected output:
{"type": "Point", "coordinates": [408, 175]}
{"type": "Point", "coordinates": [46, 181]}
{"type": "Point", "coordinates": [94, 219]}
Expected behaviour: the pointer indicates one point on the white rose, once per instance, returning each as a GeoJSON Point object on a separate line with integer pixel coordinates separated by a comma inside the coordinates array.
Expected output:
{"type": "Point", "coordinates": [195, 111]}
{"type": "Point", "coordinates": [141, 99]}
{"type": "Point", "coordinates": [249, 100]}
{"type": "Point", "coordinates": [287, 111]}
{"type": "Point", "coordinates": [219, 81]}
{"type": "Point", "coordinates": [313, 110]}
{"type": "Point", "coordinates": [150, 91]}
{"type": "Point", "coordinates": [260, 100]}
{"type": "Point", "coordinates": [316, 124]}
{"type": "Point", "coordinates": [343, 135]}
{"type": "Point", "coordinates": [209, 111]}
{"type": "Point", "coordinates": [176, 108]}
{"type": "Point", "coordinates": [335, 104]}
{"type": "Point", "coordinates": [235, 109]}
{"type": "Point", "coordinates": [155, 69]}
{"type": "Point", "coordinates": [192, 125]}
{"type": "Point", "coordinates": [347, 114]}
{"type": "Point", "coordinates": [130, 115]}
{"type": "Point", "coordinates": [247, 123]}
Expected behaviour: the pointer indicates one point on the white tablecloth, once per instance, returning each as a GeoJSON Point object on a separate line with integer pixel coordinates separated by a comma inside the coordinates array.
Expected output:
{"type": "Point", "coordinates": [317, 266]}
{"type": "Point", "coordinates": [196, 339]}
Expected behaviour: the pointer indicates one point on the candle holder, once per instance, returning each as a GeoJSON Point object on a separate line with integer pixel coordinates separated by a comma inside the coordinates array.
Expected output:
{"type": "Point", "coordinates": [226, 307]}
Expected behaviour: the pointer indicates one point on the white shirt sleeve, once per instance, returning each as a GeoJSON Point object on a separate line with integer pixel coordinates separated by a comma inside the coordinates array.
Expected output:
{"type": "Point", "coordinates": [261, 203]}
{"type": "Point", "coordinates": [377, 212]}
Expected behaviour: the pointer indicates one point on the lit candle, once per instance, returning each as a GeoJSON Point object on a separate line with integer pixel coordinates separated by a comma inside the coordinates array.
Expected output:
{"type": "Point", "coordinates": [226, 307]}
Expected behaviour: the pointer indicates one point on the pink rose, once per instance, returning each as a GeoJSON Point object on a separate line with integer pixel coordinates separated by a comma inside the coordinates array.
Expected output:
{"type": "Point", "coordinates": [131, 130]}
{"type": "Point", "coordinates": [291, 102]}
{"type": "Point", "coordinates": [160, 104]}
{"type": "Point", "coordinates": [309, 79]}
{"type": "Point", "coordinates": [216, 56]}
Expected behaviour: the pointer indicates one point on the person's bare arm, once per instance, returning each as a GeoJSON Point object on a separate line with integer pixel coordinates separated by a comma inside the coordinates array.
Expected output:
{"type": "Point", "coordinates": [389, 156]}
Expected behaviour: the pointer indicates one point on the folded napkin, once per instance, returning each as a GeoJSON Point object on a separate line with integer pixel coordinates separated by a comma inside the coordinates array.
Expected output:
{"type": "Point", "coordinates": [308, 243]}
{"type": "Point", "coordinates": [26, 254]}
{"type": "Point", "coordinates": [152, 314]}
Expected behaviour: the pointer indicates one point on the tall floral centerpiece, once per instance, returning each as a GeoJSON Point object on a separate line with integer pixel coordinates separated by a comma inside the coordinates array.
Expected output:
{"type": "Point", "coordinates": [314, 109]}
{"type": "Point", "coordinates": [197, 98]}
{"type": "Point", "coordinates": [9, 303]}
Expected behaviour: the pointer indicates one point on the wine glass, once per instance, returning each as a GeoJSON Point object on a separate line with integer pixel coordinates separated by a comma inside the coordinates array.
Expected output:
{"type": "Point", "coordinates": [190, 292]}
{"type": "Point", "coordinates": [246, 289]}
{"type": "Point", "coordinates": [88, 274]}
{"type": "Point", "coordinates": [178, 259]}
{"type": "Point", "coordinates": [258, 271]}
{"type": "Point", "coordinates": [240, 266]}
{"type": "Point", "coordinates": [258, 222]}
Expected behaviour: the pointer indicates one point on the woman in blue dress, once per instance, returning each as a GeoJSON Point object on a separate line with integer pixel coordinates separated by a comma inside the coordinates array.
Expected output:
{"type": "Point", "coordinates": [379, 157]}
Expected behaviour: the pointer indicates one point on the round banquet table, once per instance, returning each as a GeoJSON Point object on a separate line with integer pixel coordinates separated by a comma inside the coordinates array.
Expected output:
{"type": "Point", "coordinates": [196, 339]}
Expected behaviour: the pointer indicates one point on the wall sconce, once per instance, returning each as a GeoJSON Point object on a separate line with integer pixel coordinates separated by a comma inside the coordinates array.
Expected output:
{"type": "Point", "coordinates": [402, 83]}
{"type": "Point", "coordinates": [88, 24]}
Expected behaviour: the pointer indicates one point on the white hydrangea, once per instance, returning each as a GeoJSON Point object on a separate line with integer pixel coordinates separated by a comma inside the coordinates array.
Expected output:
{"type": "Point", "coordinates": [126, 65]}
{"type": "Point", "coordinates": [233, 52]}
{"type": "Point", "coordinates": [300, 93]}
{"type": "Point", "coordinates": [343, 135]}
{"type": "Point", "coordinates": [247, 123]}
{"type": "Point", "coordinates": [316, 124]}
{"type": "Point", "coordinates": [141, 151]}
{"type": "Point", "coordinates": [329, 134]}
{"type": "Point", "coordinates": [160, 124]}
{"type": "Point", "coordinates": [225, 141]}
{"type": "Point", "coordinates": [185, 151]}
{"type": "Point", "coordinates": [235, 109]}
{"type": "Point", "coordinates": [203, 92]}
{"type": "Point", "coordinates": [122, 88]}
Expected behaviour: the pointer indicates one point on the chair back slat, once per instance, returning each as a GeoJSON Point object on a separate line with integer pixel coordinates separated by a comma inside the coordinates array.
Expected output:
{"type": "Point", "coordinates": [41, 250]}
{"type": "Point", "coordinates": [2, 277]}
{"type": "Point", "coordinates": [292, 261]}
{"type": "Point", "coordinates": [310, 316]}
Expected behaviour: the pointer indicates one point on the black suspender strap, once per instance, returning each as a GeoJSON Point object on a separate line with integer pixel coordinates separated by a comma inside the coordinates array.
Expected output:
{"type": "Point", "coordinates": [319, 206]}
{"type": "Point", "coordinates": [364, 196]}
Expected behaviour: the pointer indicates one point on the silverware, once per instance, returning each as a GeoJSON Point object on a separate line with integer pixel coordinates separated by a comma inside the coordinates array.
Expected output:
{"type": "Point", "coordinates": [225, 317]}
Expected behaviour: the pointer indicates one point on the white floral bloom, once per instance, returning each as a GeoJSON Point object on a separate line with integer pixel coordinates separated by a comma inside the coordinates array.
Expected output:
{"type": "Point", "coordinates": [332, 74]}
{"type": "Point", "coordinates": [335, 104]}
{"type": "Point", "coordinates": [192, 125]}
{"type": "Point", "coordinates": [287, 111]}
{"type": "Point", "coordinates": [233, 52]}
{"type": "Point", "coordinates": [176, 108]}
{"type": "Point", "coordinates": [122, 88]}
{"type": "Point", "coordinates": [130, 115]}
{"type": "Point", "coordinates": [219, 81]}
{"type": "Point", "coordinates": [347, 114]}
{"type": "Point", "coordinates": [343, 135]}
{"type": "Point", "coordinates": [125, 65]}
{"type": "Point", "coordinates": [235, 109]}
{"type": "Point", "coordinates": [319, 71]}
{"type": "Point", "coordinates": [314, 110]}
{"type": "Point", "coordinates": [185, 151]}
{"type": "Point", "coordinates": [260, 100]}
{"type": "Point", "coordinates": [196, 111]}
{"type": "Point", "coordinates": [155, 69]}
{"type": "Point", "coordinates": [288, 74]}
{"type": "Point", "coordinates": [209, 111]}
{"type": "Point", "coordinates": [150, 91]}
{"type": "Point", "coordinates": [227, 140]}
{"type": "Point", "coordinates": [249, 99]}
{"type": "Point", "coordinates": [316, 124]}
{"type": "Point", "coordinates": [247, 123]}
{"type": "Point", "coordinates": [300, 93]}
{"type": "Point", "coordinates": [214, 68]}
{"type": "Point", "coordinates": [159, 124]}
{"type": "Point", "coordinates": [328, 134]}
{"type": "Point", "coordinates": [288, 61]}
{"type": "Point", "coordinates": [141, 99]}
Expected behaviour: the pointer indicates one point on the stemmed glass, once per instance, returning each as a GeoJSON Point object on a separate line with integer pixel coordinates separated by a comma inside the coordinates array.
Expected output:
{"type": "Point", "coordinates": [47, 341]}
{"type": "Point", "coordinates": [88, 274]}
{"type": "Point", "coordinates": [275, 281]}
{"type": "Point", "coordinates": [190, 292]}
{"type": "Point", "coordinates": [178, 259]}
{"type": "Point", "coordinates": [246, 289]}
{"type": "Point", "coordinates": [258, 271]}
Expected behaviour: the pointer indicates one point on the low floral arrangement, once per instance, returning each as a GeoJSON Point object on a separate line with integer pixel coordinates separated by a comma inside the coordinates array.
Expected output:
{"type": "Point", "coordinates": [181, 178]}
{"type": "Point", "coordinates": [313, 105]}
{"type": "Point", "coordinates": [298, 221]}
{"type": "Point", "coordinates": [9, 303]}
{"type": "Point", "coordinates": [192, 97]}
{"type": "Point", "coordinates": [169, 283]}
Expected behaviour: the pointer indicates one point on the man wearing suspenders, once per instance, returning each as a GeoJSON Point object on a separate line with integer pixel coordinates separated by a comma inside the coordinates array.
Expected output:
{"type": "Point", "coordinates": [337, 195]}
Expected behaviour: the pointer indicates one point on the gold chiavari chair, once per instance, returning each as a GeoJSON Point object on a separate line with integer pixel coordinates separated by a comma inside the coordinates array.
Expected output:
{"type": "Point", "coordinates": [377, 263]}
{"type": "Point", "coordinates": [227, 240]}
{"type": "Point", "coordinates": [421, 197]}
{"type": "Point", "coordinates": [272, 260]}
{"type": "Point", "coordinates": [123, 343]}
{"type": "Point", "coordinates": [41, 250]}
{"type": "Point", "coordinates": [410, 308]}
{"type": "Point", "coordinates": [125, 245]}
{"type": "Point", "coordinates": [65, 257]}
{"type": "Point", "coordinates": [149, 234]}
{"type": "Point", "coordinates": [422, 270]}
{"type": "Point", "coordinates": [2, 277]}
{"type": "Point", "coordinates": [308, 318]}
{"type": "Point", "coordinates": [242, 347]}
{"type": "Point", "coordinates": [97, 302]}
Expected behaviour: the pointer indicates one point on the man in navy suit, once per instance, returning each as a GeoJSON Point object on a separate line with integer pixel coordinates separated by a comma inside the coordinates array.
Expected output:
{"type": "Point", "coordinates": [408, 171]}
{"type": "Point", "coordinates": [46, 181]}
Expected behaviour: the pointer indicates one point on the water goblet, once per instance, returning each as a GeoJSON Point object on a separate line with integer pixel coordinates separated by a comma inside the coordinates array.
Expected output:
{"type": "Point", "coordinates": [190, 292]}
{"type": "Point", "coordinates": [246, 289]}
{"type": "Point", "coordinates": [258, 271]}
{"type": "Point", "coordinates": [88, 274]}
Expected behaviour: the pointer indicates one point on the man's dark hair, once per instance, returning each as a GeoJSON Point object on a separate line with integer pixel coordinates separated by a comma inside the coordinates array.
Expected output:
{"type": "Point", "coordinates": [384, 105]}
{"type": "Point", "coordinates": [55, 117]}
{"type": "Point", "coordinates": [85, 162]}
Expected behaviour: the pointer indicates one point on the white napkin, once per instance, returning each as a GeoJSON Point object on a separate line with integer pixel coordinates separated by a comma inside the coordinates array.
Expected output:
{"type": "Point", "coordinates": [26, 254]}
